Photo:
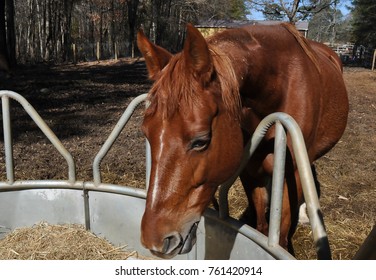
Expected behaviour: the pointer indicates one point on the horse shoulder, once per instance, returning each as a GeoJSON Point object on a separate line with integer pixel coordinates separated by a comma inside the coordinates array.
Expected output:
{"type": "Point", "coordinates": [327, 54]}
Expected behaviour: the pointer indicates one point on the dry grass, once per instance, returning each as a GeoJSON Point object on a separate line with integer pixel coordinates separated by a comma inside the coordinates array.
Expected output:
{"type": "Point", "coordinates": [347, 175]}
{"type": "Point", "coordinates": [59, 242]}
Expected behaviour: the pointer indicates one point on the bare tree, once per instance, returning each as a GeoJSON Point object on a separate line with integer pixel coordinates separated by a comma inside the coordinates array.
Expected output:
{"type": "Point", "coordinates": [11, 36]}
{"type": "Point", "coordinates": [324, 26]}
{"type": "Point", "coordinates": [46, 29]}
{"type": "Point", "coordinates": [132, 20]}
{"type": "Point", "coordinates": [292, 10]}
{"type": "Point", "coordinates": [4, 57]}
{"type": "Point", "coordinates": [7, 36]}
{"type": "Point", "coordinates": [66, 28]}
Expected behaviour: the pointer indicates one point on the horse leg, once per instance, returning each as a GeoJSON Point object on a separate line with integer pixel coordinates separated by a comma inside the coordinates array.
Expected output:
{"type": "Point", "coordinates": [260, 199]}
{"type": "Point", "coordinates": [258, 203]}
{"type": "Point", "coordinates": [303, 217]}
{"type": "Point", "coordinates": [286, 220]}
{"type": "Point", "coordinates": [292, 200]}
{"type": "Point", "coordinates": [258, 194]}
{"type": "Point", "coordinates": [258, 210]}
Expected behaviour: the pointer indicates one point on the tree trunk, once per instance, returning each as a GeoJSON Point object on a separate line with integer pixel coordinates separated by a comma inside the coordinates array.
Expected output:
{"type": "Point", "coordinates": [11, 35]}
{"type": "Point", "coordinates": [112, 29]}
{"type": "Point", "coordinates": [154, 21]}
{"type": "Point", "coordinates": [100, 34]}
{"type": "Point", "coordinates": [4, 57]}
{"type": "Point", "coordinates": [132, 19]}
{"type": "Point", "coordinates": [66, 27]}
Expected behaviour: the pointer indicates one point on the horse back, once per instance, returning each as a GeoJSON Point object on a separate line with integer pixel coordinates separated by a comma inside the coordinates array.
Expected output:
{"type": "Point", "coordinates": [289, 73]}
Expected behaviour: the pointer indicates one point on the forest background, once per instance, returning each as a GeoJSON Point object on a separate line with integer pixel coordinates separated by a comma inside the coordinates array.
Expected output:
{"type": "Point", "coordinates": [34, 31]}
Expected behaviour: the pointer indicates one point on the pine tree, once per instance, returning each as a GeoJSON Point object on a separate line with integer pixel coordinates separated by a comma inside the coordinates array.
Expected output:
{"type": "Point", "coordinates": [364, 22]}
{"type": "Point", "coordinates": [238, 9]}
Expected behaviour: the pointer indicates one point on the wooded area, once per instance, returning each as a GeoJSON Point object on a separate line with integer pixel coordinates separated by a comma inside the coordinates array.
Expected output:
{"type": "Point", "coordinates": [364, 22]}
{"type": "Point", "coordinates": [33, 31]}
{"type": "Point", "coordinates": [44, 30]}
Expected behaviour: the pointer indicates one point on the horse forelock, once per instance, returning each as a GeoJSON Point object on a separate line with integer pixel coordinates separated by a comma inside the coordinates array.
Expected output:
{"type": "Point", "coordinates": [171, 89]}
{"type": "Point", "coordinates": [176, 86]}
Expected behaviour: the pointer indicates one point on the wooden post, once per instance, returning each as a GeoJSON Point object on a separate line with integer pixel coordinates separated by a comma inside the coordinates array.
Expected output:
{"type": "Point", "coordinates": [98, 52]}
{"type": "Point", "coordinates": [373, 60]}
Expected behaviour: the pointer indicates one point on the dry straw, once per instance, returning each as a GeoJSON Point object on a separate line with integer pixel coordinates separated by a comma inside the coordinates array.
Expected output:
{"type": "Point", "coordinates": [59, 242]}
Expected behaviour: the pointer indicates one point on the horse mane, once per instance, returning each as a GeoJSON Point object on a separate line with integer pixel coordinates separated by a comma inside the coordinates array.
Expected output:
{"type": "Point", "coordinates": [175, 85]}
{"type": "Point", "coordinates": [228, 81]}
{"type": "Point", "coordinates": [303, 44]}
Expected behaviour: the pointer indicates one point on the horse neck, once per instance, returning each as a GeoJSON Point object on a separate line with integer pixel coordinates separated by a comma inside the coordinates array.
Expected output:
{"type": "Point", "coordinates": [249, 59]}
{"type": "Point", "coordinates": [237, 46]}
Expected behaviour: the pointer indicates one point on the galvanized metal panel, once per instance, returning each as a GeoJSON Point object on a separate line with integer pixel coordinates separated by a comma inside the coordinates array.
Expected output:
{"type": "Point", "coordinates": [117, 218]}
{"type": "Point", "coordinates": [28, 207]}
{"type": "Point", "coordinates": [217, 241]}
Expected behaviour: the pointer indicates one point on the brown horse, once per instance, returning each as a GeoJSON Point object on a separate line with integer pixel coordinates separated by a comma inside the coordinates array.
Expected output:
{"type": "Point", "coordinates": [206, 102]}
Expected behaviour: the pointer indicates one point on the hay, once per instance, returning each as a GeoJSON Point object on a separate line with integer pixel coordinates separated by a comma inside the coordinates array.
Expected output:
{"type": "Point", "coordinates": [59, 242]}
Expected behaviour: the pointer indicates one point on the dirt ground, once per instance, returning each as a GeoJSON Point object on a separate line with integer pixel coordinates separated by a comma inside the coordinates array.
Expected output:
{"type": "Point", "coordinates": [82, 103]}
{"type": "Point", "coordinates": [347, 174]}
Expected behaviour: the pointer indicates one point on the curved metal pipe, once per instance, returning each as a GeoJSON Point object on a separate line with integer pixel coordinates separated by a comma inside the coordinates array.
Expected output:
{"type": "Point", "coordinates": [8, 147]}
{"type": "Point", "coordinates": [304, 170]}
{"type": "Point", "coordinates": [277, 185]}
{"type": "Point", "coordinates": [5, 94]}
{"type": "Point", "coordinates": [114, 134]}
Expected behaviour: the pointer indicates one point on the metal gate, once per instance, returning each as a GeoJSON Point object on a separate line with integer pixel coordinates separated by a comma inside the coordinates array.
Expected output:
{"type": "Point", "coordinates": [115, 211]}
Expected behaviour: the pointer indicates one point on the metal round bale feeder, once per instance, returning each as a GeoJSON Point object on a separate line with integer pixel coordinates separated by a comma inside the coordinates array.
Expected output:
{"type": "Point", "coordinates": [115, 212]}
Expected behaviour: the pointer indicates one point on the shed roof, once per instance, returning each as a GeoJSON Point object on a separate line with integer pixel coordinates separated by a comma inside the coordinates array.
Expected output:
{"type": "Point", "coordinates": [300, 25]}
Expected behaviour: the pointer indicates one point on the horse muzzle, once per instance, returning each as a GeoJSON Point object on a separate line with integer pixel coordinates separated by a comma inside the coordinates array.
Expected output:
{"type": "Point", "coordinates": [190, 240]}
{"type": "Point", "coordinates": [175, 244]}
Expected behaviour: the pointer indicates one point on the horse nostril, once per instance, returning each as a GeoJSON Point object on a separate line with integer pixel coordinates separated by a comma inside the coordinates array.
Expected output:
{"type": "Point", "coordinates": [166, 245]}
{"type": "Point", "coordinates": [170, 243]}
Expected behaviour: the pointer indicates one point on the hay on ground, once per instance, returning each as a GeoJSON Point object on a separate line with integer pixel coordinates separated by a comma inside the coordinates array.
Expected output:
{"type": "Point", "coordinates": [59, 242]}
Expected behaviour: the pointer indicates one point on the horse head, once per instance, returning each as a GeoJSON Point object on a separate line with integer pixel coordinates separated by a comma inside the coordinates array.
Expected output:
{"type": "Point", "coordinates": [192, 125]}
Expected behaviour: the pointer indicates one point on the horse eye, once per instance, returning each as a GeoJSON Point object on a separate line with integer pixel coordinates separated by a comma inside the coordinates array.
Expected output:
{"type": "Point", "coordinates": [200, 144]}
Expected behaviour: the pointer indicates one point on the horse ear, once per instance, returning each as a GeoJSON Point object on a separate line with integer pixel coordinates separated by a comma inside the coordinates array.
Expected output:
{"type": "Point", "coordinates": [155, 57]}
{"type": "Point", "coordinates": [197, 54]}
